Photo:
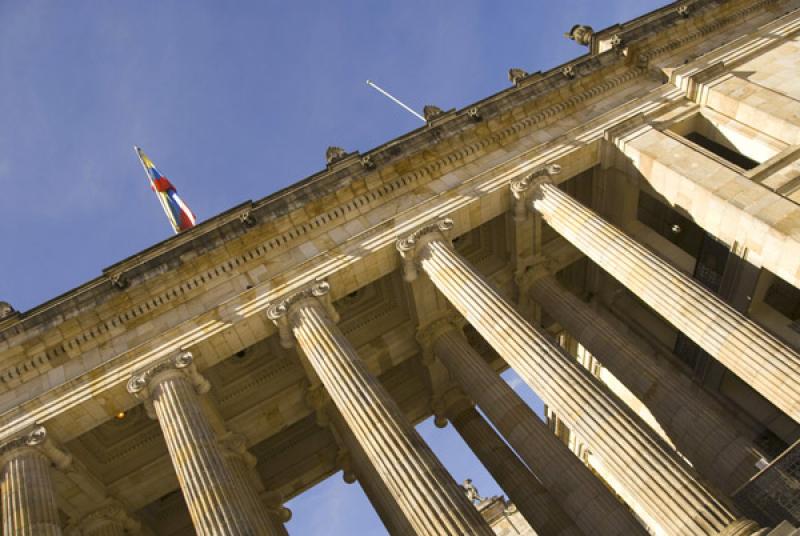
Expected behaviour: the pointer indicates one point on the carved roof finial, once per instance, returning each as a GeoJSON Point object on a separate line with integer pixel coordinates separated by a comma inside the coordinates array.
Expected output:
{"type": "Point", "coordinates": [6, 310]}
{"type": "Point", "coordinates": [581, 34]}
{"type": "Point", "coordinates": [430, 111]}
{"type": "Point", "coordinates": [334, 154]}
{"type": "Point", "coordinates": [471, 491]}
{"type": "Point", "coordinates": [515, 75]}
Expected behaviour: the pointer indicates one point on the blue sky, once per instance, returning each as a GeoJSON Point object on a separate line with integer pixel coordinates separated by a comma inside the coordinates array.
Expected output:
{"type": "Point", "coordinates": [231, 104]}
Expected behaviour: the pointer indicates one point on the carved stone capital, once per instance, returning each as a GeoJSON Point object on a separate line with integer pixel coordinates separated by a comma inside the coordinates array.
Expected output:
{"type": "Point", "coordinates": [39, 440]}
{"type": "Point", "coordinates": [430, 332]}
{"type": "Point", "coordinates": [319, 400]}
{"type": "Point", "coordinates": [142, 382]}
{"type": "Point", "coordinates": [515, 75]}
{"type": "Point", "coordinates": [431, 112]}
{"type": "Point", "coordinates": [345, 463]}
{"type": "Point", "coordinates": [449, 405]}
{"type": "Point", "coordinates": [274, 503]}
{"type": "Point", "coordinates": [409, 245]}
{"type": "Point", "coordinates": [110, 514]}
{"type": "Point", "coordinates": [581, 34]}
{"type": "Point", "coordinates": [532, 270]}
{"type": "Point", "coordinates": [521, 187]}
{"type": "Point", "coordinates": [234, 445]}
{"type": "Point", "coordinates": [315, 293]}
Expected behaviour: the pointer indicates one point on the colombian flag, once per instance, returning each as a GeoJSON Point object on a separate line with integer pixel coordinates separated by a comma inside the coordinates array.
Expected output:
{"type": "Point", "coordinates": [179, 214]}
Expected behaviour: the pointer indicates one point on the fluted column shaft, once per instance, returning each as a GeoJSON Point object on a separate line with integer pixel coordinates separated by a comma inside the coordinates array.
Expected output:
{"type": "Point", "coordinates": [431, 501]}
{"type": "Point", "coordinates": [29, 503]}
{"type": "Point", "coordinates": [693, 420]}
{"type": "Point", "coordinates": [242, 463]}
{"type": "Point", "coordinates": [381, 499]}
{"type": "Point", "coordinates": [210, 486]}
{"type": "Point", "coordinates": [758, 358]}
{"type": "Point", "coordinates": [575, 495]}
{"type": "Point", "coordinates": [530, 497]}
{"type": "Point", "coordinates": [652, 478]}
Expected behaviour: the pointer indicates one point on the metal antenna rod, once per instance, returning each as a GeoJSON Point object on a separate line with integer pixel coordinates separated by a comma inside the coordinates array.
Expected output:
{"type": "Point", "coordinates": [386, 93]}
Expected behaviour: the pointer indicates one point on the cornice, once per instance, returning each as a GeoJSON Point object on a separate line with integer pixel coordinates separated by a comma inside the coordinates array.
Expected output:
{"type": "Point", "coordinates": [234, 223]}
{"type": "Point", "coordinates": [335, 216]}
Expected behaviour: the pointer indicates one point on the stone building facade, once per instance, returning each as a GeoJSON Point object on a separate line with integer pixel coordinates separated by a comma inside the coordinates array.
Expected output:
{"type": "Point", "coordinates": [640, 203]}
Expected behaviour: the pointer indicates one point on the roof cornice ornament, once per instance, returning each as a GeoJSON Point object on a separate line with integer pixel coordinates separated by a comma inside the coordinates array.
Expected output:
{"type": "Point", "coordinates": [333, 154]}
{"type": "Point", "coordinates": [515, 75]}
{"type": "Point", "coordinates": [6, 310]}
{"type": "Point", "coordinates": [431, 112]}
{"type": "Point", "coordinates": [581, 34]}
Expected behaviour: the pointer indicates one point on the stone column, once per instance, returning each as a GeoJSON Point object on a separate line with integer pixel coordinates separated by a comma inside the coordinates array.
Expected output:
{"type": "Point", "coordinates": [212, 490]}
{"type": "Point", "coordinates": [29, 502]}
{"type": "Point", "coordinates": [242, 464]}
{"type": "Point", "coordinates": [652, 480]}
{"type": "Point", "coordinates": [573, 494]}
{"type": "Point", "coordinates": [530, 497]}
{"type": "Point", "coordinates": [381, 499]}
{"type": "Point", "coordinates": [111, 520]}
{"type": "Point", "coordinates": [694, 421]}
{"type": "Point", "coordinates": [758, 358]}
{"type": "Point", "coordinates": [427, 495]}
{"type": "Point", "coordinates": [278, 513]}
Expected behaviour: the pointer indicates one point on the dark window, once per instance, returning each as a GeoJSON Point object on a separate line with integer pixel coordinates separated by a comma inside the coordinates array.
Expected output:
{"type": "Point", "coordinates": [670, 224]}
{"type": "Point", "coordinates": [711, 261]}
{"type": "Point", "coordinates": [731, 155]}
{"type": "Point", "coordinates": [784, 298]}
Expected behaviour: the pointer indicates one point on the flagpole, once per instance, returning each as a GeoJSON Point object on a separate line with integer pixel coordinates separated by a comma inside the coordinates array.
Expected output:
{"type": "Point", "coordinates": [396, 100]}
{"type": "Point", "coordinates": [153, 186]}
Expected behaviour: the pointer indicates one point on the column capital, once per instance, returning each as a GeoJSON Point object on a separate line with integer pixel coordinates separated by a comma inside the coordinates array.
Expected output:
{"type": "Point", "coordinates": [521, 186]}
{"type": "Point", "coordinates": [441, 382]}
{"type": "Point", "coordinates": [234, 445]}
{"type": "Point", "coordinates": [142, 382]}
{"type": "Point", "coordinates": [449, 405]}
{"type": "Point", "coordinates": [316, 293]}
{"type": "Point", "coordinates": [36, 439]}
{"type": "Point", "coordinates": [274, 502]}
{"type": "Point", "coordinates": [319, 400]}
{"type": "Point", "coordinates": [409, 245]}
{"type": "Point", "coordinates": [535, 268]}
{"type": "Point", "coordinates": [111, 514]}
{"type": "Point", "coordinates": [428, 334]}
{"type": "Point", "coordinates": [345, 463]}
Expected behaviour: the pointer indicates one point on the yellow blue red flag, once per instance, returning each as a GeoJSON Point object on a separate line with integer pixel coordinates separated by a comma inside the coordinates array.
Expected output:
{"type": "Point", "coordinates": [179, 214]}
